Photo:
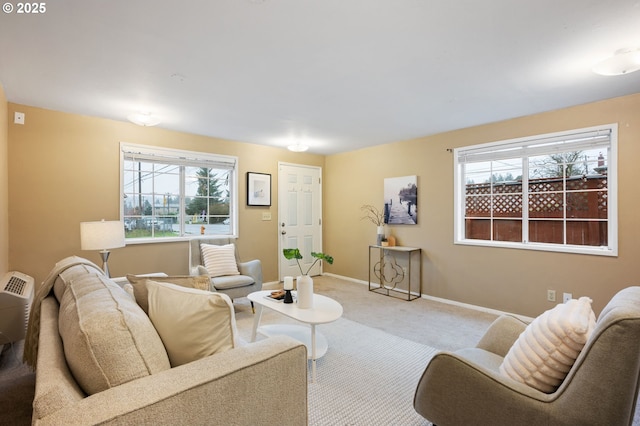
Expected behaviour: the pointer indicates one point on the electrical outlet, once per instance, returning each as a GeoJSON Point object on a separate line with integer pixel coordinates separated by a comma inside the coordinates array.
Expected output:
{"type": "Point", "coordinates": [551, 295]}
{"type": "Point", "coordinates": [566, 297]}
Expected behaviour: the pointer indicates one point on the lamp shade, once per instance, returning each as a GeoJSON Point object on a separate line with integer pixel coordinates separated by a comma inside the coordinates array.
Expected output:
{"type": "Point", "coordinates": [101, 235]}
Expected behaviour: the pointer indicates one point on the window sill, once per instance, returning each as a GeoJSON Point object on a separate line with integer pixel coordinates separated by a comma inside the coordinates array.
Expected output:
{"type": "Point", "coordinates": [589, 250]}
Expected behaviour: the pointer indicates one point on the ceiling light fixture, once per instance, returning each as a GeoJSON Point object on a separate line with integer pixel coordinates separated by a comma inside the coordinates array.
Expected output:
{"type": "Point", "coordinates": [143, 119]}
{"type": "Point", "coordinates": [297, 147]}
{"type": "Point", "coordinates": [623, 61]}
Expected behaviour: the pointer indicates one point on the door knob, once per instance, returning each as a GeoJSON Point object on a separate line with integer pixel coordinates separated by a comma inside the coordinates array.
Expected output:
{"type": "Point", "coordinates": [284, 232]}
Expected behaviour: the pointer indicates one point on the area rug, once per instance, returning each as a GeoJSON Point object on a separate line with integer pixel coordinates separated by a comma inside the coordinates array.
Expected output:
{"type": "Point", "coordinates": [367, 377]}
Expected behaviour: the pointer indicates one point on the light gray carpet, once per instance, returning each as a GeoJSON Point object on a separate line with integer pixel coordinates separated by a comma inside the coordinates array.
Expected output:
{"type": "Point", "coordinates": [367, 377]}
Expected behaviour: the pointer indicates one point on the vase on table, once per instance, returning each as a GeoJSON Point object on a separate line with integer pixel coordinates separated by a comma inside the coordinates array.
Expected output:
{"type": "Point", "coordinates": [381, 234]}
{"type": "Point", "coordinates": [305, 292]}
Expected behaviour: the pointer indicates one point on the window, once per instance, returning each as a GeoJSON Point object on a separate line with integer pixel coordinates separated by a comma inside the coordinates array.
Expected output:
{"type": "Point", "coordinates": [554, 192]}
{"type": "Point", "coordinates": [169, 193]}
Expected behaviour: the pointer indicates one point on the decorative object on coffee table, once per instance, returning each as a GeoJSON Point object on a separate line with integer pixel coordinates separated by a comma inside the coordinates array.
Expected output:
{"type": "Point", "coordinates": [305, 282]}
{"type": "Point", "coordinates": [288, 286]}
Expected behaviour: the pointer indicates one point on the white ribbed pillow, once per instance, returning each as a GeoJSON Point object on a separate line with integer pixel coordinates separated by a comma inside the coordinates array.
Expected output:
{"type": "Point", "coordinates": [219, 260]}
{"type": "Point", "coordinates": [546, 350]}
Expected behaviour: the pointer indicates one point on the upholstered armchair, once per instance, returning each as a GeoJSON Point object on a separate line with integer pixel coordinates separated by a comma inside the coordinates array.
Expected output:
{"type": "Point", "coordinates": [601, 388]}
{"type": "Point", "coordinates": [228, 275]}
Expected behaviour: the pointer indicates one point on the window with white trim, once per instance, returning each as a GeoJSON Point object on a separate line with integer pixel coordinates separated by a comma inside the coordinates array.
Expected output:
{"type": "Point", "coordinates": [554, 192]}
{"type": "Point", "coordinates": [173, 194]}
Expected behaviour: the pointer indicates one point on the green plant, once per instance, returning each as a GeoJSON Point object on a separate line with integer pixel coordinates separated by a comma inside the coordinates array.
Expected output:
{"type": "Point", "coordinates": [294, 253]}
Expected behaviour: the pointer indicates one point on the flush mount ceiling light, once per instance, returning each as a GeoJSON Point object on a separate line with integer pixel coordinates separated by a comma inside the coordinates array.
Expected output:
{"type": "Point", "coordinates": [143, 119]}
{"type": "Point", "coordinates": [623, 61]}
{"type": "Point", "coordinates": [297, 147]}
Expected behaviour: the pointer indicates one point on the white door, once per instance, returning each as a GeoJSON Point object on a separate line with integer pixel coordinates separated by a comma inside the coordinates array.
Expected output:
{"type": "Point", "coordinates": [299, 216]}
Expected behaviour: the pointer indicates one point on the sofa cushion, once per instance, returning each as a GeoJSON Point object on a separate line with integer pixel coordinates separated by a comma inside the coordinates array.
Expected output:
{"type": "Point", "coordinates": [108, 340]}
{"type": "Point", "coordinates": [232, 281]}
{"type": "Point", "coordinates": [544, 353]}
{"type": "Point", "coordinates": [219, 260]}
{"type": "Point", "coordinates": [192, 323]}
{"type": "Point", "coordinates": [201, 282]}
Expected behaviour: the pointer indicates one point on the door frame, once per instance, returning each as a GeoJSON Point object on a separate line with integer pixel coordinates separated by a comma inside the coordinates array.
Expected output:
{"type": "Point", "coordinates": [281, 194]}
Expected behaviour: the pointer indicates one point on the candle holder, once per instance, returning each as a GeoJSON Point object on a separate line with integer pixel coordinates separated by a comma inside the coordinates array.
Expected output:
{"type": "Point", "coordinates": [288, 298]}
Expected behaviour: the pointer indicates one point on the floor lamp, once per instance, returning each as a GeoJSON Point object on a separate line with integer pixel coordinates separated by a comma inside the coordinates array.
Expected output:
{"type": "Point", "coordinates": [102, 235]}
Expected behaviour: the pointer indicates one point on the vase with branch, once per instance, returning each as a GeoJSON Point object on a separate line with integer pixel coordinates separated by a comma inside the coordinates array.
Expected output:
{"type": "Point", "coordinates": [376, 217]}
{"type": "Point", "coordinates": [304, 281]}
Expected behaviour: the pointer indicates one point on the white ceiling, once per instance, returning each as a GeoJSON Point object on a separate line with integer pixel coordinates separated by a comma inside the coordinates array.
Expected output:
{"type": "Point", "coordinates": [336, 74]}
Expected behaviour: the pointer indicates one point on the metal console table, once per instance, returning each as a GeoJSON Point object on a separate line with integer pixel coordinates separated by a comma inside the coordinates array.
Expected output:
{"type": "Point", "coordinates": [393, 271]}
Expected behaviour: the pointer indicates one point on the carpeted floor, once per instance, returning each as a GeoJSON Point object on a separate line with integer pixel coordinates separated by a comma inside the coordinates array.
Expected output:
{"type": "Point", "coordinates": [17, 386]}
{"type": "Point", "coordinates": [367, 377]}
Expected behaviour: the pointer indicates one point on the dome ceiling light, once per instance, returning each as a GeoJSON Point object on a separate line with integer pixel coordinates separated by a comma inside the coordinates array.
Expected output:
{"type": "Point", "coordinates": [623, 61]}
{"type": "Point", "coordinates": [143, 119]}
{"type": "Point", "coordinates": [297, 147]}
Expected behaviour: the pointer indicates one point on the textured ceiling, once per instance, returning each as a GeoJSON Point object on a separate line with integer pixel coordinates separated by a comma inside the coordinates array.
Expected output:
{"type": "Point", "coordinates": [338, 75]}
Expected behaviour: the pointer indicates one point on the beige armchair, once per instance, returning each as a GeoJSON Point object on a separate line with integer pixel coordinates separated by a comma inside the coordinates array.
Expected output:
{"type": "Point", "coordinates": [465, 387]}
{"type": "Point", "coordinates": [234, 286]}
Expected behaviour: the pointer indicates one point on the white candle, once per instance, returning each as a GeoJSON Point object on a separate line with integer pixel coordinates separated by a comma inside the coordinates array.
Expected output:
{"type": "Point", "coordinates": [288, 283]}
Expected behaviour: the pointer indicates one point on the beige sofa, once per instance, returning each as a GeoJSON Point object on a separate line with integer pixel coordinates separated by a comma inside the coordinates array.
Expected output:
{"type": "Point", "coordinates": [129, 377]}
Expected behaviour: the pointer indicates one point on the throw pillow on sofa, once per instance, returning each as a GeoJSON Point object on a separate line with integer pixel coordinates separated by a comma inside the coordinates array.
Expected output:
{"type": "Point", "coordinates": [192, 323]}
{"type": "Point", "coordinates": [219, 260]}
{"type": "Point", "coordinates": [546, 350]}
{"type": "Point", "coordinates": [139, 283]}
{"type": "Point", "coordinates": [107, 338]}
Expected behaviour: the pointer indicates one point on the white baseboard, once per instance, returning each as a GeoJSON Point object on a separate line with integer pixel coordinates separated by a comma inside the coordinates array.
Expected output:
{"type": "Point", "coordinates": [442, 300]}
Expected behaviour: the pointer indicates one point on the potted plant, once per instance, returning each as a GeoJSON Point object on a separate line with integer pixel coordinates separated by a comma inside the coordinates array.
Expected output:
{"type": "Point", "coordinates": [305, 282]}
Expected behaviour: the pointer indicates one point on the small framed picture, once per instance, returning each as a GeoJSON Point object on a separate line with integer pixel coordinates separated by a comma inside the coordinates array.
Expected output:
{"type": "Point", "coordinates": [258, 189]}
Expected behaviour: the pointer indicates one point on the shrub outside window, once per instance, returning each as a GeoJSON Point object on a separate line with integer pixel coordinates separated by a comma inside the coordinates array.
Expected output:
{"type": "Point", "coordinates": [554, 192]}
{"type": "Point", "coordinates": [175, 194]}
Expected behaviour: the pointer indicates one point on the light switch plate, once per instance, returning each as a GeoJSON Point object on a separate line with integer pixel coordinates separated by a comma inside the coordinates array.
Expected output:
{"type": "Point", "coordinates": [266, 215]}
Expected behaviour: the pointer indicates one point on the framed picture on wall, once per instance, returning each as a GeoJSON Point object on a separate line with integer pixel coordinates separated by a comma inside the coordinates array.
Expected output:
{"type": "Point", "coordinates": [401, 200]}
{"type": "Point", "coordinates": [258, 189]}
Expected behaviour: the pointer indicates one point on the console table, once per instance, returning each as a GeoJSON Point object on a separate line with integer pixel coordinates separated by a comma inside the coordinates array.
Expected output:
{"type": "Point", "coordinates": [395, 271]}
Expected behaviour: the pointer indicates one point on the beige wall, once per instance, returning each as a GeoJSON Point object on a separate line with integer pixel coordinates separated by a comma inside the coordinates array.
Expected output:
{"type": "Point", "coordinates": [4, 186]}
{"type": "Point", "coordinates": [64, 169]}
{"type": "Point", "coordinates": [505, 279]}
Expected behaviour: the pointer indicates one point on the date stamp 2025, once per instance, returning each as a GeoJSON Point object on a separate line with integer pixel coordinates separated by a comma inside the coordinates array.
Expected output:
{"type": "Point", "coordinates": [24, 8]}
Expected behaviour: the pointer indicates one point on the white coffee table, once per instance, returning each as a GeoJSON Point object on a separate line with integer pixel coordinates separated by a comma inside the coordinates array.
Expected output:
{"type": "Point", "coordinates": [324, 310]}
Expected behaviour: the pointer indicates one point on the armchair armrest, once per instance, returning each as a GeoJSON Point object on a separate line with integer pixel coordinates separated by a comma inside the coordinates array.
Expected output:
{"type": "Point", "coordinates": [502, 334]}
{"type": "Point", "coordinates": [453, 390]}
{"type": "Point", "coordinates": [199, 270]}
{"type": "Point", "coordinates": [245, 385]}
{"type": "Point", "coordinates": [252, 268]}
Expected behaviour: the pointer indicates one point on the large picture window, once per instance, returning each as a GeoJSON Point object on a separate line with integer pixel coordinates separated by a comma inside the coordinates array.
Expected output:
{"type": "Point", "coordinates": [170, 193]}
{"type": "Point", "coordinates": [555, 192]}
